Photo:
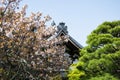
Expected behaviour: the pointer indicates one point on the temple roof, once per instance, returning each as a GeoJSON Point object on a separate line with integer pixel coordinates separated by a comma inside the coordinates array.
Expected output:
{"type": "Point", "coordinates": [73, 47]}
{"type": "Point", "coordinates": [62, 30]}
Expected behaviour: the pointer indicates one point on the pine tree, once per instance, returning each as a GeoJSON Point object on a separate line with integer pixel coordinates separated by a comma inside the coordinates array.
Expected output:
{"type": "Point", "coordinates": [100, 59]}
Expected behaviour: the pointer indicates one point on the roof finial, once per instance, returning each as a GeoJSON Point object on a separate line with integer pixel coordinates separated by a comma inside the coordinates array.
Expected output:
{"type": "Point", "coordinates": [53, 23]}
{"type": "Point", "coordinates": [62, 26]}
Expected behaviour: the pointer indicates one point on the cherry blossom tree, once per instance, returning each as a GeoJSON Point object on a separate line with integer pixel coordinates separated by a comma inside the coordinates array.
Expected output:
{"type": "Point", "coordinates": [27, 50]}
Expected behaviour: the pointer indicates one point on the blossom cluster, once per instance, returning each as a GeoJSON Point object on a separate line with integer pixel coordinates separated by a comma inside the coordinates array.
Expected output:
{"type": "Point", "coordinates": [26, 39]}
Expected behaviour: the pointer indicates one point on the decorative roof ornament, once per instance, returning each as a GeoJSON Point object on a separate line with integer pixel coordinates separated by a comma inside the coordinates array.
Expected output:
{"type": "Point", "coordinates": [53, 23]}
{"type": "Point", "coordinates": [62, 27]}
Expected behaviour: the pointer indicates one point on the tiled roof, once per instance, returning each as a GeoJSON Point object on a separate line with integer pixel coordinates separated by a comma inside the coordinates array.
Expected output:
{"type": "Point", "coordinates": [62, 29]}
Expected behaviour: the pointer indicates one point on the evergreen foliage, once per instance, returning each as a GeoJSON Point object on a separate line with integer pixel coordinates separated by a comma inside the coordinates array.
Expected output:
{"type": "Point", "coordinates": [100, 59]}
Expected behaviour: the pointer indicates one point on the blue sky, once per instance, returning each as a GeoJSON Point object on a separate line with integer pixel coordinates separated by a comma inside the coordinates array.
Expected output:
{"type": "Point", "coordinates": [81, 16]}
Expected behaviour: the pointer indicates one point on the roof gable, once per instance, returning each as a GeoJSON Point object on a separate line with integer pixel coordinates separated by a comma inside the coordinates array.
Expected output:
{"type": "Point", "coordinates": [62, 30]}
